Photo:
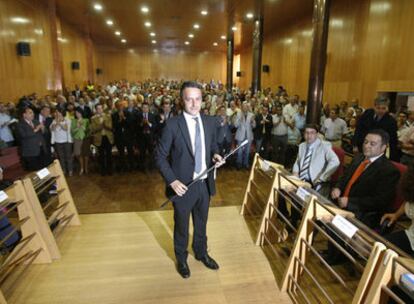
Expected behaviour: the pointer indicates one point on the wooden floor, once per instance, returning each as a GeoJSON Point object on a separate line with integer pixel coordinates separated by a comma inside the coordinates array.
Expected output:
{"type": "Point", "coordinates": [144, 191]}
{"type": "Point", "coordinates": [128, 258]}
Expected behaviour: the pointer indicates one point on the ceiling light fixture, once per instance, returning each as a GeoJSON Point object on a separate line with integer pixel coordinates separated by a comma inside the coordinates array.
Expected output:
{"type": "Point", "coordinates": [215, 44]}
{"type": "Point", "coordinates": [144, 9]}
{"type": "Point", "coordinates": [196, 26]}
{"type": "Point", "coordinates": [152, 34]}
{"type": "Point", "coordinates": [186, 43]}
{"type": "Point", "coordinates": [118, 33]}
{"type": "Point", "coordinates": [97, 7]}
{"type": "Point", "coordinates": [234, 28]}
{"type": "Point", "coordinates": [123, 40]}
{"type": "Point", "coordinates": [223, 37]}
{"type": "Point", "coordinates": [204, 13]}
{"type": "Point", "coordinates": [147, 24]}
{"type": "Point", "coordinates": [249, 15]}
{"type": "Point", "coordinates": [20, 20]}
{"type": "Point", "coordinates": [109, 22]}
{"type": "Point", "coordinates": [154, 41]}
{"type": "Point", "coordinates": [190, 36]}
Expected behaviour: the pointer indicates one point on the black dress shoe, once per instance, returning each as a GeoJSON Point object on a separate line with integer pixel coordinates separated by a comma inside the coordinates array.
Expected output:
{"type": "Point", "coordinates": [208, 262]}
{"type": "Point", "coordinates": [183, 270]}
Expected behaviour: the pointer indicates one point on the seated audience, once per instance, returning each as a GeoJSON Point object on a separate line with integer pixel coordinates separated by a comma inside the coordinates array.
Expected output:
{"type": "Point", "coordinates": [316, 161]}
{"type": "Point", "coordinates": [369, 185]}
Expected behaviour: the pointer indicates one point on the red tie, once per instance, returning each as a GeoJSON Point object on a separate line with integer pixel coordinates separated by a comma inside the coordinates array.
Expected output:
{"type": "Point", "coordinates": [355, 176]}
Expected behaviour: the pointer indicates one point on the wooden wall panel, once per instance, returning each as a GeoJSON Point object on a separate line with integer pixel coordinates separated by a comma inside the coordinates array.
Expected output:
{"type": "Point", "coordinates": [139, 63]}
{"type": "Point", "coordinates": [24, 75]}
{"type": "Point", "coordinates": [73, 48]}
{"type": "Point", "coordinates": [370, 47]}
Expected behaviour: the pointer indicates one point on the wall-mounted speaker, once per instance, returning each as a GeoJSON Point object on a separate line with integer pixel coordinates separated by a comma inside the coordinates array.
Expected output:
{"type": "Point", "coordinates": [266, 68]}
{"type": "Point", "coordinates": [98, 71]}
{"type": "Point", "coordinates": [238, 73]}
{"type": "Point", "coordinates": [75, 65]}
{"type": "Point", "coordinates": [23, 49]}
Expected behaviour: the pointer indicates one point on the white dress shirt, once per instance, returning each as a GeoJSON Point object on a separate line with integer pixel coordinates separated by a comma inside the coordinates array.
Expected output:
{"type": "Point", "coordinates": [191, 125]}
{"type": "Point", "coordinates": [5, 132]}
{"type": "Point", "coordinates": [334, 129]}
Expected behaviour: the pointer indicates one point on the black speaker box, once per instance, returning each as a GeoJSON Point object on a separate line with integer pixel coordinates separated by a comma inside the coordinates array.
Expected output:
{"type": "Point", "coordinates": [98, 71]}
{"type": "Point", "coordinates": [238, 74]}
{"type": "Point", "coordinates": [23, 49]}
{"type": "Point", "coordinates": [75, 65]}
{"type": "Point", "coordinates": [266, 68]}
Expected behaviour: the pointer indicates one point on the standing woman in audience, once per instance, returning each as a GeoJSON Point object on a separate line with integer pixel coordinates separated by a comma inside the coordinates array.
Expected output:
{"type": "Point", "coordinates": [62, 140]}
{"type": "Point", "coordinates": [404, 239]}
{"type": "Point", "coordinates": [103, 138]}
{"type": "Point", "coordinates": [80, 129]}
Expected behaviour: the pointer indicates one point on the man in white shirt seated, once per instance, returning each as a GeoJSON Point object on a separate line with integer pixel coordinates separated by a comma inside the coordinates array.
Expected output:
{"type": "Point", "coordinates": [334, 128]}
{"type": "Point", "coordinates": [316, 161]}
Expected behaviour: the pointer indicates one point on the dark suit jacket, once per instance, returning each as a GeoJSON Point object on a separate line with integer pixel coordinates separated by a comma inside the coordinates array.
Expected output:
{"type": "Point", "coordinates": [124, 130]}
{"type": "Point", "coordinates": [224, 131]}
{"type": "Point", "coordinates": [151, 119]}
{"type": "Point", "coordinates": [31, 142]}
{"type": "Point", "coordinates": [87, 112]}
{"type": "Point", "coordinates": [373, 192]}
{"type": "Point", "coordinates": [259, 126]}
{"type": "Point", "coordinates": [174, 155]}
{"type": "Point", "coordinates": [367, 123]}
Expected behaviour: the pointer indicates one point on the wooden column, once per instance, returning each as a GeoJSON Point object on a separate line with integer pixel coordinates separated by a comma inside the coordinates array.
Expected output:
{"type": "Point", "coordinates": [320, 21]}
{"type": "Point", "coordinates": [58, 81]}
{"type": "Point", "coordinates": [257, 54]}
{"type": "Point", "coordinates": [230, 56]}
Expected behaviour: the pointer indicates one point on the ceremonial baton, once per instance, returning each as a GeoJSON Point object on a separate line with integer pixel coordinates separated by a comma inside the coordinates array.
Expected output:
{"type": "Point", "coordinates": [205, 172]}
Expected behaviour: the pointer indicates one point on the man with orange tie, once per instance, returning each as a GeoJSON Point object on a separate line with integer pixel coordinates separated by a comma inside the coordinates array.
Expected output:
{"type": "Point", "coordinates": [368, 187]}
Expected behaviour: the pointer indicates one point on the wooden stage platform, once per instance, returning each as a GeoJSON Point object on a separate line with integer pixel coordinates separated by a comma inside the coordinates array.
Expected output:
{"type": "Point", "coordinates": [128, 258]}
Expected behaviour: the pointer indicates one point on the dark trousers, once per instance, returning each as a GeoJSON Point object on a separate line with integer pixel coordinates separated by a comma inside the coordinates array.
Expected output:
{"type": "Point", "coordinates": [195, 202]}
{"type": "Point", "coordinates": [34, 163]}
{"type": "Point", "coordinates": [121, 152]}
{"type": "Point", "coordinates": [400, 239]}
{"type": "Point", "coordinates": [146, 143]}
{"type": "Point", "coordinates": [279, 145]}
{"type": "Point", "coordinates": [105, 156]}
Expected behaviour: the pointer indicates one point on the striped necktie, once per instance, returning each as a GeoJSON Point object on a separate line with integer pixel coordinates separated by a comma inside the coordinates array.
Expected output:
{"type": "Point", "coordinates": [304, 171]}
{"type": "Point", "coordinates": [197, 147]}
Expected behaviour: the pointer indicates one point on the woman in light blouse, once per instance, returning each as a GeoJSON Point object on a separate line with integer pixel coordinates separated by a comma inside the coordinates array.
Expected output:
{"type": "Point", "coordinates": [81, 144]}
{"type": "Point", "coordinates": [62, 140]}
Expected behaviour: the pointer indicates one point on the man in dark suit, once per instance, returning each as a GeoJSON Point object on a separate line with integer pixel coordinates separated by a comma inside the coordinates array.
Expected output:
{"type": "Point", "coordinates": [147, 126]}
{"type": "Point", "coordinates": [86, 110]}
{"type": "Point", "coordinates": [377, 118]}
{"type": "Point", "coordinates": [187, 147]}
{"type": "Point", "coordinates": [164, 116]}
{"type": "Point", "coordinates": [46, 119]}
{"type": "Point", "coordinates": [262, 132]}
{"type": "Point", "coordinates": [32, 143]}
{"type": "Point", "coordinates": [124, 136]}
{"type": "Point", "coordinates": [224, 135]}
{"type": "Point", "coordinates": [368, 187]}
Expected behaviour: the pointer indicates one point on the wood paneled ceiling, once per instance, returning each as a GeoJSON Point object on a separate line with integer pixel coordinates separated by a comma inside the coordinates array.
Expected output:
{"type": "Point", "coordinates": [173, 20]}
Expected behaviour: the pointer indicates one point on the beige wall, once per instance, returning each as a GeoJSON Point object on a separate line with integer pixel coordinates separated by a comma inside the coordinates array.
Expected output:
{"type": "Point", "coordinates": [142, 63]}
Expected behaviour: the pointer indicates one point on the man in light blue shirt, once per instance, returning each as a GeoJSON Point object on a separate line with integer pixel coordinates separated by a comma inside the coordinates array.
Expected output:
{"type": "Point", "coordinates": [5, 133]}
